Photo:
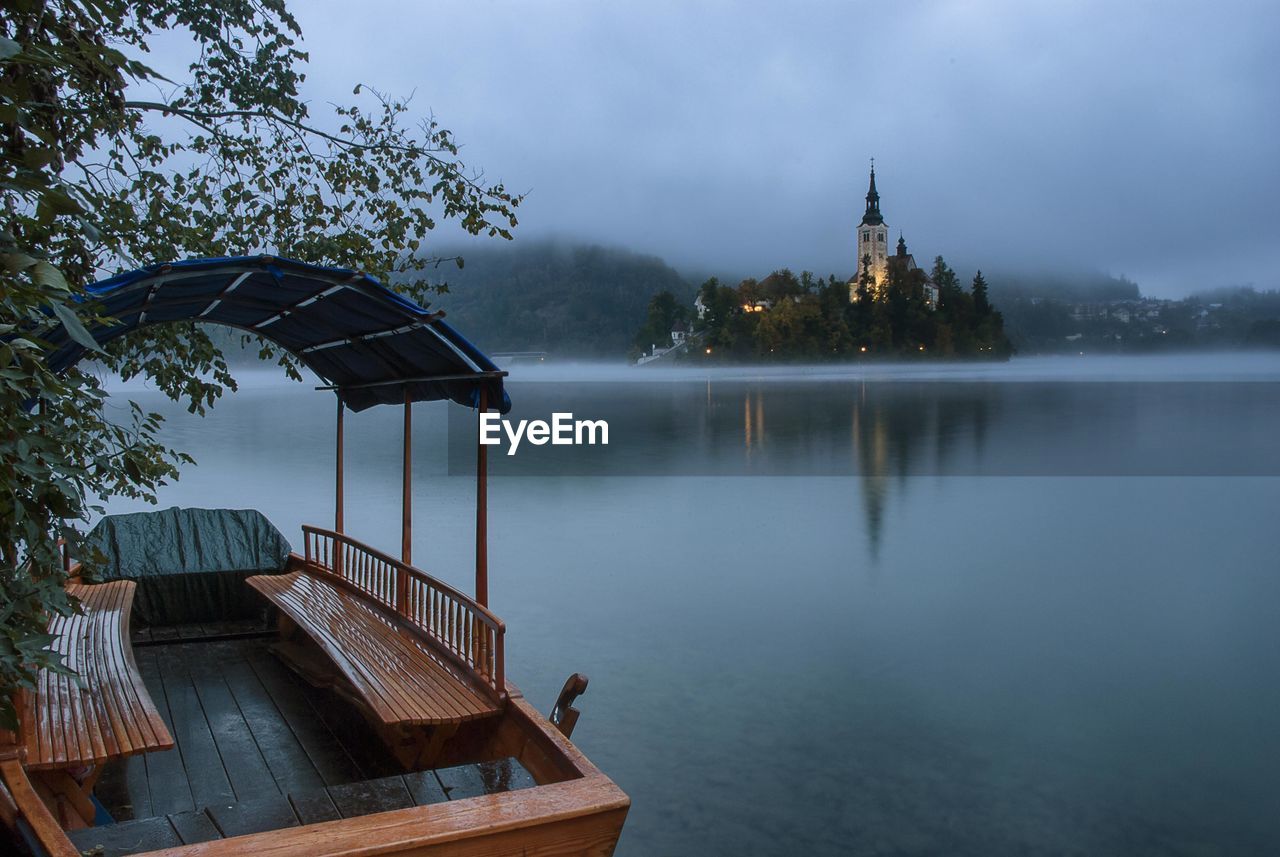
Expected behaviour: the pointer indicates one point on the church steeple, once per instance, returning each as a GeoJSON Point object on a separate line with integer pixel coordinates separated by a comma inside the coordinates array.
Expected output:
{"type": "Point", "coordinates": [872, 217]}
{"type": "Point", "coordinates": [873, 240]}
{"type": "Point", "coordinates": [902, 245]}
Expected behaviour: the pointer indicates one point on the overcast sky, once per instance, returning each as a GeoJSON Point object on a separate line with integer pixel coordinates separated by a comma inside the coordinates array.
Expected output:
{"type": "Point", "coordinates": [1135, 138]}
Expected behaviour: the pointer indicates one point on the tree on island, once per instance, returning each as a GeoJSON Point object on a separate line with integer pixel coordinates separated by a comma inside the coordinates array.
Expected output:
{"type": "Point", "coordinates": [981, 304]}
{"type": "Point", "coordinates": [664, 311]}
{"type": "Point", "coordinates": [95, 182]}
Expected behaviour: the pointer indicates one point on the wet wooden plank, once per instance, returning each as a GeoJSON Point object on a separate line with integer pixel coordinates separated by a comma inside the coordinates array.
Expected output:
{"type": "Point", "coordinates": [313, 807]}
{"type": "Point", "coordinates": [194, 827]}
{"type": "Point", "coordinates": [424, 788]}
{"type": "Point", "coordinates": [350, 729]}
{"type": "Point", "coordinates": [502, 775]}
{"type": "Point", "coordinates": [289, 763]}
{"type": "Point", "coordinates": [122, 789]}
{"type": "Point", "coordinates": [167, 787]}
{"type": "Point", "coordinates": [328, 756]}
{"type": "Point", "coordinates": [246, 769]}
{"type": "Point", "coordinates": [138, 786]}
{"type": "Point", "coordinates": [369, 796]}
{"type": "Point", "coordinates": [129, 837]}
{"type": "Point", "coordinates": [204, 768]}
{"type": "Point", "coordinates": [234, 627]}
{"type": "Point", "coordinates": [254, 816]}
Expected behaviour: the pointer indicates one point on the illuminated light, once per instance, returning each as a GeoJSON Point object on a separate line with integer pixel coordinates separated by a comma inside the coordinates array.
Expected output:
{"type": "Point", "coordinates": [922, 348]}
{"type": "Point", "coordinates": [708, 350]}
{"type": "Point", "coordinates": [864, 349]}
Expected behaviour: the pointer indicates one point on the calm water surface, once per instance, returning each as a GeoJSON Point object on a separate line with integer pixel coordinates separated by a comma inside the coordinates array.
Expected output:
{"type": "Point", "coordinates": [1026, 609]}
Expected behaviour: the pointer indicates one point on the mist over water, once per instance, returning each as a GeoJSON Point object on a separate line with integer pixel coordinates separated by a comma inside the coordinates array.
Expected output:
{"type": "Point", "coordinates": [911, 630]}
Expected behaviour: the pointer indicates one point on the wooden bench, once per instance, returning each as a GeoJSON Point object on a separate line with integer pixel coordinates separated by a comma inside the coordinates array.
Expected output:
{"type": "Point", "coordinates": [418, 657]}
{"type": "Point", "coordinates": [71, 724]}
{"type": "Point", "coordinates": [103, 712]}
{"type": "Point", "coordinates": [398, 674]}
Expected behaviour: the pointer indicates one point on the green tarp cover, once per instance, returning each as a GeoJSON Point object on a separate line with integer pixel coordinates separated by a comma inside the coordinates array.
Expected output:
{"type": "Point", "coordinates": [190, 564]}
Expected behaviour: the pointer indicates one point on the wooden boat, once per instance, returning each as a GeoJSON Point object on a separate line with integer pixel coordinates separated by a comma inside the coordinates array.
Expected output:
{"type": "Point", "coordinates": [371, 714]}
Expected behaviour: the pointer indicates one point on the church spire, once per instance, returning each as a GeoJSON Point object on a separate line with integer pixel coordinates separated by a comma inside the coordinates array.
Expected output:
{"type": "Point", "coordinates": [902, 244]}
{"type": "Point", "coordinates": [873, 216]}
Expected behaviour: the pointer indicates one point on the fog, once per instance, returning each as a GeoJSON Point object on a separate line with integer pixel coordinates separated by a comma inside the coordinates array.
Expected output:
{"type": "Point", "coordinates": [1135, 138]}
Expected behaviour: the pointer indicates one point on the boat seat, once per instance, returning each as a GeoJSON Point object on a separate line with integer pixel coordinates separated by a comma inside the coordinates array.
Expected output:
{"type": "Point", "coordinates": [104, 714]}
{"type": "Point", "coordinates": [189, 564]}
{"type": "Point", "coordinates": [395, 674]}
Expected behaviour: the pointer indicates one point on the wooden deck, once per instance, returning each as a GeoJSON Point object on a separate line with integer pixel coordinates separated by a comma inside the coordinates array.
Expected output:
{"type": "Point", "coordinates": [258, 749]}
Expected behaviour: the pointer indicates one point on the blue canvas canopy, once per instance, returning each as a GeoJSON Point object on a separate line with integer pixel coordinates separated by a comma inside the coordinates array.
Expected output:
{"type": "Point", "coordinates": [370, 344]}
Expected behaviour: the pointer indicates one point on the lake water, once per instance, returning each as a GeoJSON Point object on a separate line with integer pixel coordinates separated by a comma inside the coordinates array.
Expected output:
{"type": "Point", "coordinates": [1017, 609]}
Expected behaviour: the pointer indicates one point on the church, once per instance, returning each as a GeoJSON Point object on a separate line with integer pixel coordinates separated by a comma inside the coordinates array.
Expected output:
{"type": "Point", "coordinates": [873, 251]}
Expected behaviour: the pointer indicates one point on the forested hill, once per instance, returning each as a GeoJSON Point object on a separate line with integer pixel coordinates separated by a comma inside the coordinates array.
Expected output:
{"type": "Point", "coordinates": [569, 300]}
{"type": "Point", "coordinates": [1074, 287]}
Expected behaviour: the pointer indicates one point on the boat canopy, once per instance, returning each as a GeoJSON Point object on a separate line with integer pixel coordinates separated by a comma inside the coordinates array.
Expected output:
{"type": "Point", "coordinates": [368, 343]}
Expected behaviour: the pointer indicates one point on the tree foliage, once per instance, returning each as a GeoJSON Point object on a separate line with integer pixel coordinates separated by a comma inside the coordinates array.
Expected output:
{"type": "Point", "coordinates": [106, 164]}
{"type": "Point", "coordinates": [784, 317]}
{"type": "Point", "coordinates": [663, 313]}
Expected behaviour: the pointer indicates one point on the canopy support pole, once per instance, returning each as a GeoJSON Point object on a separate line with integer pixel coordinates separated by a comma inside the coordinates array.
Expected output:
{"type": "Point", "coordinates": [337, 489]}
{"type": "Point", "coordinates": [406, 520]}
{"type": "Point", "coordinates": [482, 502]}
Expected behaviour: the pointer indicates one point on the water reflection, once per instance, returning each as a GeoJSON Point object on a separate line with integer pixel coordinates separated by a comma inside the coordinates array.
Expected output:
{"type": "Point", "coordinates": [881, 432]}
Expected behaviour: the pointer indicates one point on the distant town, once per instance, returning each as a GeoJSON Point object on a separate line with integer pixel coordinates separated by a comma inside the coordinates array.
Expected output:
{"type": "Point", "coordinates": [1222, 319]}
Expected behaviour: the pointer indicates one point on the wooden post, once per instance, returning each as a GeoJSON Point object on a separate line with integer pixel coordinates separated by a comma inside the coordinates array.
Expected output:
{"type": "Point", "coordinates": [482, 501]}
{"type": "Point", "coordinates": [406, 520]}
{"type": "Point", "coordinates": [337, 495]}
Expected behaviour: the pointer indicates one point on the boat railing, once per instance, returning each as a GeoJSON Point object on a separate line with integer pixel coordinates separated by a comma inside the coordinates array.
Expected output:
{"type": "Point", "coordinates": [459, 625]}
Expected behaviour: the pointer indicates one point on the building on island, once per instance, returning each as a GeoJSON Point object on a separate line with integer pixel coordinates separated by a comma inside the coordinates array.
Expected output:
{"type": "Point", "coordinates": [904, 260]}
{"type": "Point", "coordinates": [873, 242]}
{"type": "Point", "coordinates": [873, 251]}
{"type": "Point", "coordinates": [679, 333]}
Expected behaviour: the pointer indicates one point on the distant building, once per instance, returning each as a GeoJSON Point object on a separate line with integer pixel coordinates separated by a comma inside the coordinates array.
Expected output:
{"type": "Point", "coordinates": [904, 260]}
{"type": "Point", "coordinates": [873, 251]}
{"type": "Point", "coordinates": [873, 242]}
{"type": "Point", "coordinates": [679, 333]}
{"type": "Point", "coordinates": [700, 306]}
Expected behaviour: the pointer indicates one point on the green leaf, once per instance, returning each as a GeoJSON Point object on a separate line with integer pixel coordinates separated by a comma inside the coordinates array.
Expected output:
{"type": "Point", "coordinates": [75, 329]}
{"type": "Point", "coordinates": [47, 275]}
{"type": "Point", "coordinates": [9, 48]}
{"type": "Point", "coordinates": [15, 262]}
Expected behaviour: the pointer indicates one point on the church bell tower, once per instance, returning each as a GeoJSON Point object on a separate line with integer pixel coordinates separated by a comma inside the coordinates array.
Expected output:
{"type": "Point", "coordinates": [873, 240]}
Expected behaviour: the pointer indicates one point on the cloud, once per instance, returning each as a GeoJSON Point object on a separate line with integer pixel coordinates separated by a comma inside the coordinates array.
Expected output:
{"type": "Point", "coordinates": [1136, 138]}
